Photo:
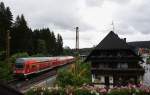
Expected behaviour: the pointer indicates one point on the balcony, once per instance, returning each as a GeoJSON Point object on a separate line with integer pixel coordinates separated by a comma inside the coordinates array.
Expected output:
{"type": "Point", "coordinates": [118, 71]}
{"type": "Point", "coordinates": [114, 59]}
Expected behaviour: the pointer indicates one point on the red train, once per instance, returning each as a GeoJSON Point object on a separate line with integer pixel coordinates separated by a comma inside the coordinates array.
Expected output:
{"type": "Point", "coordinates": [27, 66]}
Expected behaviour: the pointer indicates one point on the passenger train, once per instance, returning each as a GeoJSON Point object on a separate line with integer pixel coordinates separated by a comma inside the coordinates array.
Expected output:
{"type": "Point", "coordinates": [33, 65]}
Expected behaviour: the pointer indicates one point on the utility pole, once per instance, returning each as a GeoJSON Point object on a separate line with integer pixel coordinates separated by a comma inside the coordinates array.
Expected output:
{"type": "Point", "coordinates": [7, 46]}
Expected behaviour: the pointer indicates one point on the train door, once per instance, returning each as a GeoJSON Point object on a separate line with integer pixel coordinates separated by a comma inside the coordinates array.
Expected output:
{"type": "Point", "coordinates": [27, 69]}
{"type": "Point", "coordinates": [33, 67]}
{"type": "Point", "coordinates": [54, 63]}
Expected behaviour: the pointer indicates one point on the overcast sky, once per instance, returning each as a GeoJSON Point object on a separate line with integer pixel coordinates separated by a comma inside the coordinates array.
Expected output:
{"type": "Point", "coordinates": [94, 18]}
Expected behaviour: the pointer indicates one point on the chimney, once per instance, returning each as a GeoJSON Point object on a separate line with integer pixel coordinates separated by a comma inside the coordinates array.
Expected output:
{"type": "Point", "coordinates": [77, 38]}
{"type": "Point", "coordinates": [124, 39]}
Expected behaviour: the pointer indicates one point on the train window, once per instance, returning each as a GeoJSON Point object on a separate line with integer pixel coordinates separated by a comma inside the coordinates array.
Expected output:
{"type": "Point", "coordinates": [19, 66]}
{"type": "Point", "coordinates": [33, 66]}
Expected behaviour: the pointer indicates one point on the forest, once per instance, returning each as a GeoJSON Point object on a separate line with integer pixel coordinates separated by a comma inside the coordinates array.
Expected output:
{"type": "Point", "coordinates": [24, 39]}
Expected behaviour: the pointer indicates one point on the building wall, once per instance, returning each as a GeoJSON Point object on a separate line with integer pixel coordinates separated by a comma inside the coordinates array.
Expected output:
{"type": "Point", "coordinates": [100, 81]}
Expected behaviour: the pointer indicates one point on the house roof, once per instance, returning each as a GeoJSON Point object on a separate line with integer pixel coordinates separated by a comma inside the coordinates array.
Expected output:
{"type": "Point", "coordinates": [112, 41]}
{"type": "Point", "coordinates": [140, 44]}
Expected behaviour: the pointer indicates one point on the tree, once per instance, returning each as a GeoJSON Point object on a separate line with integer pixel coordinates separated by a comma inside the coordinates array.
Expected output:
{"type": "Point", "coordinates": [41, 47]}
{"type": "Point", "coordinates": [21, 36]}
{"type": "Point", "coordinates": [49, 38]}
{"type": "Point", "coordinates": [53, 44]}
{"type": "Point", "coordinates": [17, 55]}
{"type": "Point", "coordinates": [23, 39]}
{"type": "Point", "coordinates": [5, 71]}
{"type": "Point", "coordinates": [5, 24]}
{"type": "Point", "coordinates": [76, 75]}
{"type": "Point", "coordinates": [67, 51]}
{"type": "Point", "coordinates": [59, 45]}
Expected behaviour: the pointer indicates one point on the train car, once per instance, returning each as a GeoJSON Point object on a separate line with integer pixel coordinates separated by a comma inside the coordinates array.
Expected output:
{"type": "Point", "coordinates": [33, 65]}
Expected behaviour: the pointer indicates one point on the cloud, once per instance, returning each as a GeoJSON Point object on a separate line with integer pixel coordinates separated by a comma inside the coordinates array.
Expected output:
{"type": "Point", "coordinates": [58, 13]}
{"type": "Point", "coordinates": [134, 17]}
{"type": "Point", "coordinates": [93, 3]}
{"type": "Point", "coordinates": [120, 1]}
{"type": "Point", "coordinates": [94, 17]}
{"type": "Point", "coordinates": [130, 16]}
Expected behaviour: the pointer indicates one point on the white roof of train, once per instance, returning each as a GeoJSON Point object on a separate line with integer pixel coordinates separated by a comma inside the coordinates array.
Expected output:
{"type": "Point", "coordinates": [20, 60]}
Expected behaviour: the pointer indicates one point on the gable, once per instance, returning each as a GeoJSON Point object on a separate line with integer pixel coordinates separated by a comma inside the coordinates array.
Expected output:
{"type": "Point", "coordinates": [112, 41]}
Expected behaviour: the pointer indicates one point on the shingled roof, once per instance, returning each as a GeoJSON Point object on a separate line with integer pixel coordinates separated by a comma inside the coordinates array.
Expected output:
{"type": "Point", "coordinates": [140, 44]}
{"type": "Point", "coordinates": [112, 41]}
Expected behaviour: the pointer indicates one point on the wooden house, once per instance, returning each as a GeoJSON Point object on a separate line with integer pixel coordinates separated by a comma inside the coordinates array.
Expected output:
{"type": "Point", "coordinates": [114, 63]}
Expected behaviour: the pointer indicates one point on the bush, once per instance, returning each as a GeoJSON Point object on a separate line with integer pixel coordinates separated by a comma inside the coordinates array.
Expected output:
{"type": "Point", "coordinates": [39, 91]}
{"type": "Point", "coordinates": [83, 92]}
{"type": "Point", "coordinates": [18, 55]}
{"type": "Point", "coordinates": [128, 91]}
{"type": "Point", "coordinates": [89, 90]}
{"type": "Point", "coordinates": [2, 55]}
{"type": "Point", "coordinates": [38, 55]}
{"type": "Point", "coordinates": [58, 92]}
{"type": "Point", "coordinates": [5, 71]}
{"type": "Point", "coordinates": [64, 78]}
{"type": "Point", "coordinates": [45, 91]}
{"type": "Point", "coordinates": [76, 75]}
{"type": "Point", "coordinates": [123, 91]}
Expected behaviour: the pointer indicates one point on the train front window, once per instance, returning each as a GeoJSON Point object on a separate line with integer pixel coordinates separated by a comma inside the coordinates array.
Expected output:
{"type": "Point", "coordinates": [19, 66]}
{"type": "Point", "coordinates": [19, 63]}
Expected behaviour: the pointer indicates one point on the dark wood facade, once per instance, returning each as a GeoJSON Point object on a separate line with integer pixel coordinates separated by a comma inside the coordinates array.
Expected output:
{"type": "Point", "coordinates": [114, 62]}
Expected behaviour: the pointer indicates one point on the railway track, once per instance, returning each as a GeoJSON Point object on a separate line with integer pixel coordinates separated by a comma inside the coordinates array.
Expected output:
{"type": "Point", "coordinates": [22, 85]}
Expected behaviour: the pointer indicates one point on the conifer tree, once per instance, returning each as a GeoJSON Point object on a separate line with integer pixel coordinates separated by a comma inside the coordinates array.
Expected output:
{"type": "Point", "coordinates": [59, 44]}
{"type": "Point", "coordinates": [21, 36]}
{"type": "Point", "coordinates": [5, 24]}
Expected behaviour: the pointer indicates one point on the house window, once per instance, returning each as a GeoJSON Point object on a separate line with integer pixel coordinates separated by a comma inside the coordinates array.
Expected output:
{"type": "Point", "coordinates": [118, 54]}
{"type": "Point", "coordinates": [101, 66]}
{"type": "Point", "coordinates": [122, 66]}
{"type": "Point", "coordinates": [99, 79]}
{"type": "Point", "coordinates": [95, 65]}
{"type": "Point", "coordinates": [125, 66]}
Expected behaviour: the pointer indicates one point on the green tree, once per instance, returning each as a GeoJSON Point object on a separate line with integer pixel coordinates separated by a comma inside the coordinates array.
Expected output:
{"type": "Point", "coordinates": [41, 47]}
{"type": "Point", "coordinates": [76, 75]}
{"type": "Point", "coordinates": [5, 24]}
{"type": "Point", "coordinates": [49, 38]}
{"type": "Point", "coordinates": [59, 45]}
{"type": "Point", "coordinates": [5, 71]}
{"type": "Point", "coordinates": [21, 36]}
{"type": "Point", "coordinates": [53, 44]}
{"type": "Point", "coordinates": [18, 55]}
{"type": "Point", "coordinates": [67, 51]}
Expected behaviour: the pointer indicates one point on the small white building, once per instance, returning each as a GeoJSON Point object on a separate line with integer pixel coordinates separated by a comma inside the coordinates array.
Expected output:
{"type": "Point", "coordinates": [145, 54]}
